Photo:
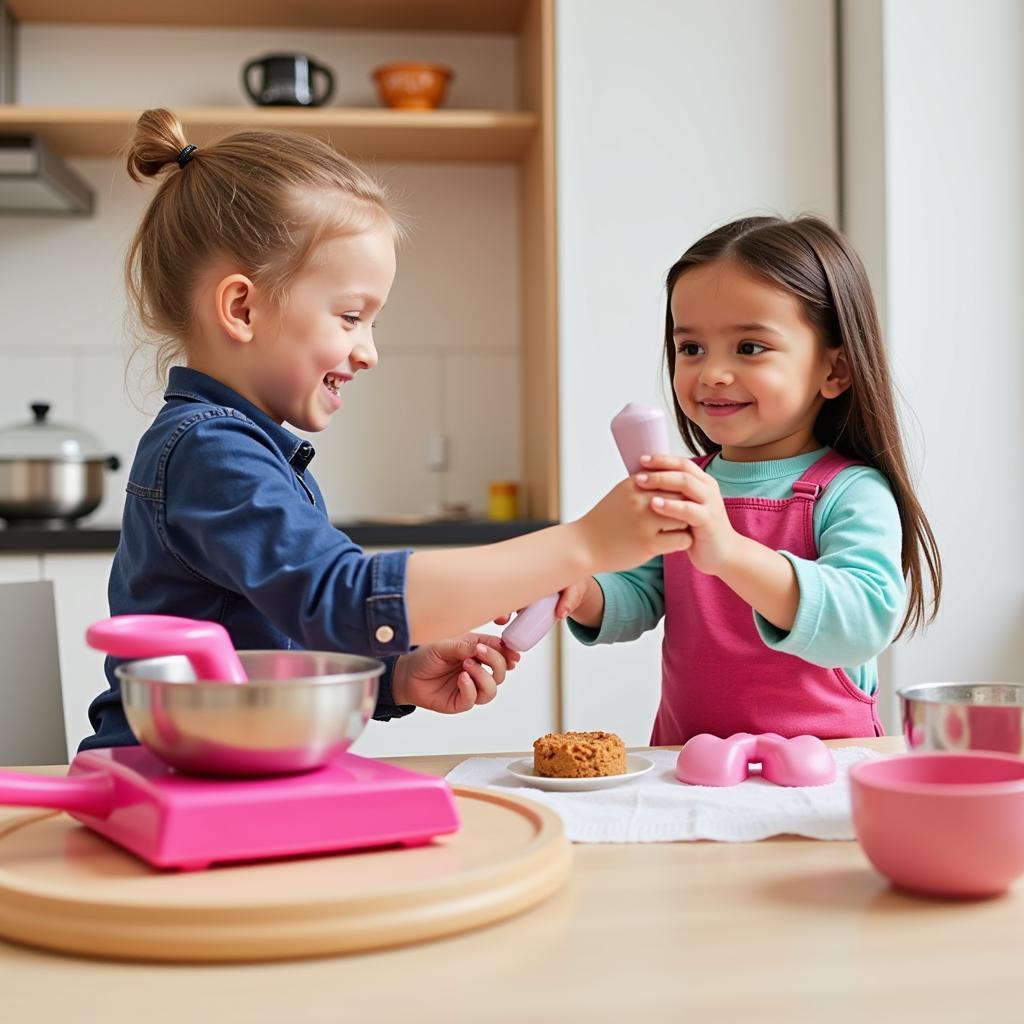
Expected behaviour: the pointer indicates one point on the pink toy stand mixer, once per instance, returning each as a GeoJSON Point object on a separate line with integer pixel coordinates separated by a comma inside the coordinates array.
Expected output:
{"type": "Point", "coordinates": [244, 755]}
{"type": "Point", "coordinates": [638, 430]}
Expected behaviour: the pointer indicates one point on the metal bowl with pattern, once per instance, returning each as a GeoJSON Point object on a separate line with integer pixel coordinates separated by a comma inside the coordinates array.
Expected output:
{"type": "Point", "coordinates": [963, 716]}
{"type": "Point", "coordinates": [298, 710]}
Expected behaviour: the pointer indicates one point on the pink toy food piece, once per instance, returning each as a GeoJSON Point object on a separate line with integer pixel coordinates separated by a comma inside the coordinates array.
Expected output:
{"type": "Point", "coordinates": [799, 761]}
{"type": "Point", "coordinates": [707, 760]}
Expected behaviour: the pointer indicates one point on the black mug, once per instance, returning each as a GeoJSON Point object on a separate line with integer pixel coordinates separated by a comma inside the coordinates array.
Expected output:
{"type": "Point", "coordinates": [287, 81]}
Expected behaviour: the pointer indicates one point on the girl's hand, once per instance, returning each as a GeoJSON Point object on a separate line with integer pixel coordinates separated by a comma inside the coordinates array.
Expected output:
{"type": "Point", "coordinates": [586, 593]}
{"type": "Point", "coordinates": [452, 676]}
{"type": "Point", "coordinates": [623, 530]}
{"type": "Point", "coordinates": [584, 601]}
{"type": "Point", "coordinates": [689, 495]}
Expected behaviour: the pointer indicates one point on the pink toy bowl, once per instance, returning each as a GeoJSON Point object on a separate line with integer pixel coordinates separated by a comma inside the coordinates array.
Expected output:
{"type": "Point", "coordinates": [707, 760]}
{"type": "Point", "coordinates": [947, 824]}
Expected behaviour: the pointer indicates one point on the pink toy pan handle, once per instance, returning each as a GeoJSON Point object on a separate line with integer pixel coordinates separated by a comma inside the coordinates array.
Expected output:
{"type": "Point", "coordinates": [88, 793]}
{"type": "Point", "coordinates": [207, 645]}
{"type": "Point", "coordinates": [638, 430]}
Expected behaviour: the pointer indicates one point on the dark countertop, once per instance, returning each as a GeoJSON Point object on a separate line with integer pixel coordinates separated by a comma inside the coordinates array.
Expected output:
{"type": "Point", "coordinates": [439, 533]}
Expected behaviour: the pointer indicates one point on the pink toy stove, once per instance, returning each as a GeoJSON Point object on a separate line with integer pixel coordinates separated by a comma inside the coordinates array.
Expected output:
{"type": "Point", "coordinates": [189, 822]}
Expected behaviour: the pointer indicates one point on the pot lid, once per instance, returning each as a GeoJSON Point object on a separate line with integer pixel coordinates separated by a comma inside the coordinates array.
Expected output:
{"type": "Point", "coordinates": [40, 438]}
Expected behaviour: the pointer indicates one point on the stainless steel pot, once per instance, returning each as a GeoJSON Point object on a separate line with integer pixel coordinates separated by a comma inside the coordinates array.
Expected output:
{"type": "Point", "coordinates": [963, 716]}
{"type": "Point", "coordinates": [50, 474]}
{"type": "Point", "coordinates": [297, 711]}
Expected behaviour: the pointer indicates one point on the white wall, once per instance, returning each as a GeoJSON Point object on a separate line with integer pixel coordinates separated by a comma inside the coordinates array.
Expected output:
{"type": "Point", "coordinates": [944, 194]}
{"type": "Point", "coordinates": [448, 339]}
{"type": "Point", "coordinates": [672, 118]}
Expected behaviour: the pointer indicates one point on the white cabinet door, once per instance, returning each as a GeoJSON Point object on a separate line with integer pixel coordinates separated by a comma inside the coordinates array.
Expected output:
{"type": "Point", "coordinates": [80, 593]}
{"type": "Point", "coordinates": [20, 568]}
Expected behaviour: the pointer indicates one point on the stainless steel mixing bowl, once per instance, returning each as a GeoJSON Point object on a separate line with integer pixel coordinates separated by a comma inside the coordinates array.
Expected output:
{"type": "Point", "coordinates": [297, 711]}
{"type": "Point", "coordinates": [963, 716]}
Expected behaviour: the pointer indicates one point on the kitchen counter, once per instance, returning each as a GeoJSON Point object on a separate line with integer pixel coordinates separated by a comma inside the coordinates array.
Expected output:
{"type": "Point", "coordinates": [367, 534]}
{"type": "Point", "coordinates": [785, 930]}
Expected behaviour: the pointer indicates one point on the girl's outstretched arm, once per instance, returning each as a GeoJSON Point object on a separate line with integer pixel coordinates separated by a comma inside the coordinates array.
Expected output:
{"type": "Point", "coordinates": [450, 591]}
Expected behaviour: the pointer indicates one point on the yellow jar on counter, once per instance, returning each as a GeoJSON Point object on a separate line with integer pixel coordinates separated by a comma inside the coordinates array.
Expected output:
{"type": "Point", "coordinates": [503, 500]}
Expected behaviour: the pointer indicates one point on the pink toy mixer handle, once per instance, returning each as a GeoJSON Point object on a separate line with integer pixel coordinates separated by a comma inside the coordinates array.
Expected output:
{"type": "Point", "coordinates": [207, 645]}
{"type": "Point", "coordinates": [88, 793]}
{"type": "Point", "coordinates": [638, 430]}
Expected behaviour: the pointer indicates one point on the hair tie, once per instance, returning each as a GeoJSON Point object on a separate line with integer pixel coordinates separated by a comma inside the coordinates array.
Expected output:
{"type": "Point", "coordinates": [184, 156]}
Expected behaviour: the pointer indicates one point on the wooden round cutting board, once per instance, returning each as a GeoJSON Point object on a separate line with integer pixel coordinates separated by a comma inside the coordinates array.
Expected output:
{"type": "Point", "coordinates": [66, 888]}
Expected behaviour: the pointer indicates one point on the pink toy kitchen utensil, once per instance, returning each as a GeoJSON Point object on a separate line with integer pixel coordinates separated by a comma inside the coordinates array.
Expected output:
{"type": "Point", "coordinates": [531, 625]}
{"type": "Point", "coordinates": [181, 821]}
{"type": "Point", "coordinates": [638, 430]}
{"type": "Point", "coordinates": [707, 760]}
{"type": "Point", "coordinates": [945, 823]}
{"type": "Point", "coordinates": [207, 645]}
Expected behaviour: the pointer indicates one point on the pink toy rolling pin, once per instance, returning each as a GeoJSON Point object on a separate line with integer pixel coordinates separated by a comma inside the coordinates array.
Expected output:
{"type": "Point", "coordinates": [638, 430]}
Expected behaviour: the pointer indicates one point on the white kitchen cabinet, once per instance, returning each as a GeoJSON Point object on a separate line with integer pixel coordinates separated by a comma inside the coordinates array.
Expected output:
{"type": "Point", "coordinates": [80, 593]}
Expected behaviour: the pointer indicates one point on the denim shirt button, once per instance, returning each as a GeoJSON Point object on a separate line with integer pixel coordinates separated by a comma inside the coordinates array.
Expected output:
{"type": "Point", "coordinates": [384, 634]}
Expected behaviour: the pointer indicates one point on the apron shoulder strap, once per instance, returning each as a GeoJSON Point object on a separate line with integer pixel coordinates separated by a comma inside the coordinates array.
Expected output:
{"type": "Point", "coordinates": [819, 475]}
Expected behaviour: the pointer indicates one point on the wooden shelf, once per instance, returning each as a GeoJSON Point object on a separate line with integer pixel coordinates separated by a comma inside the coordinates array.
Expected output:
{"type": "Point", "coordinates": [457, 135]}
{"type": "Point", "coordinates": [389, 15]}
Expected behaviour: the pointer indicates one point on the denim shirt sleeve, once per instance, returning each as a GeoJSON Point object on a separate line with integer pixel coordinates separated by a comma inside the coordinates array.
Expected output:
{"type": "Point", "coordinates": [237, 514]}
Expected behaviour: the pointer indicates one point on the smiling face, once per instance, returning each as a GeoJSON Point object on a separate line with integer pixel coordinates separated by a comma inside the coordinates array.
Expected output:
{"type": "Point", "coordinates": [321, 335]}
{"type": "Point", "coordinates": [750, 370]}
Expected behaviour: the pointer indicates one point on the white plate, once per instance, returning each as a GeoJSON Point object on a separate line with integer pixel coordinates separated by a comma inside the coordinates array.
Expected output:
{"type": "Point", "coordinates": [635, 767]}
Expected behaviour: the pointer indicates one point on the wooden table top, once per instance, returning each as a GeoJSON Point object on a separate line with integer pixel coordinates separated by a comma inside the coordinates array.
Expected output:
{"type": "Point", "coordinates": [787, 929]}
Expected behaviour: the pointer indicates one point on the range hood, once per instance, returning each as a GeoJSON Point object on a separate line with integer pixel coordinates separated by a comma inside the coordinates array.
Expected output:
{"type": "Point", "coordinates": [35, 180]}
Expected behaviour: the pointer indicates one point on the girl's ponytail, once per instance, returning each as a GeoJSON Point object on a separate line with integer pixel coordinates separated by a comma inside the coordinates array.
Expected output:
{"type": "Point", "coordinates": [158, 141]}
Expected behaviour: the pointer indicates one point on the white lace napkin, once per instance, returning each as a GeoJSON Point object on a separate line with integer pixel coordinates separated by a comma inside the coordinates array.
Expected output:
{"type": "Point", "coordinates": [656, 808]}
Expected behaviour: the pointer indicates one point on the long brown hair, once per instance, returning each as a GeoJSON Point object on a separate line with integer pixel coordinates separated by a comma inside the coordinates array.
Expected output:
{"type": "Point", "coordinates": [264, 198]}
{"type": "Point", "coordinates": [817, 265]}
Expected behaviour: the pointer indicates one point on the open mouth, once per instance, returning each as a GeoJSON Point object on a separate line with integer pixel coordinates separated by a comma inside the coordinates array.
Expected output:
{"type": "Point", "coordinates": [333, 382]}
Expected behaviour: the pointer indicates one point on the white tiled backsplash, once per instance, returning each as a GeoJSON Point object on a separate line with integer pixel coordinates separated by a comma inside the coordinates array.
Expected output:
{"type": "Point", "coordinates": [448, 338]}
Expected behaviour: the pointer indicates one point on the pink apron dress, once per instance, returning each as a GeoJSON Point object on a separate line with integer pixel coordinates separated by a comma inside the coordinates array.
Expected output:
{"type": "Point", "coordinates": [717, 674]}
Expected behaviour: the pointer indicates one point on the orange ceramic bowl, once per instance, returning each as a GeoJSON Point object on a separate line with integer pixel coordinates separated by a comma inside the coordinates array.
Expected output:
{"type": "Point", "coordinates": [412, 86]}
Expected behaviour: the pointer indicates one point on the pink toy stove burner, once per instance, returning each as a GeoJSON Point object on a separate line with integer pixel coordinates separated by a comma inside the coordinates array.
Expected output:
{"type": "Point", "coordinates": [707, 760]}
{"type": "Point", "coordinates": [182, 821]}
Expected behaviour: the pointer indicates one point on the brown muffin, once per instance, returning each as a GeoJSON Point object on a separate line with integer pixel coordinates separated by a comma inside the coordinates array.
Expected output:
{"type": "Point", "coordinates": [579, 755]}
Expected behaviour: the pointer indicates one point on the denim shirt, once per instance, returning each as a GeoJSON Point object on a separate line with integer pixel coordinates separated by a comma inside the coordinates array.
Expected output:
{"type": "Point", "coordinates": [223, 521]}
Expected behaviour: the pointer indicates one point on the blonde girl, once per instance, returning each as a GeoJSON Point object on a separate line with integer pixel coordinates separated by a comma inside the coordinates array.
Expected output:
{"type": "Point", "coordinates": [259, 266]}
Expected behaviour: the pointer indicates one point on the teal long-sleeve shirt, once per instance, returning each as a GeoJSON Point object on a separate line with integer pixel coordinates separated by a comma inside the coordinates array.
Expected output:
{"type": "Point", "coordinates": [852, 597]}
